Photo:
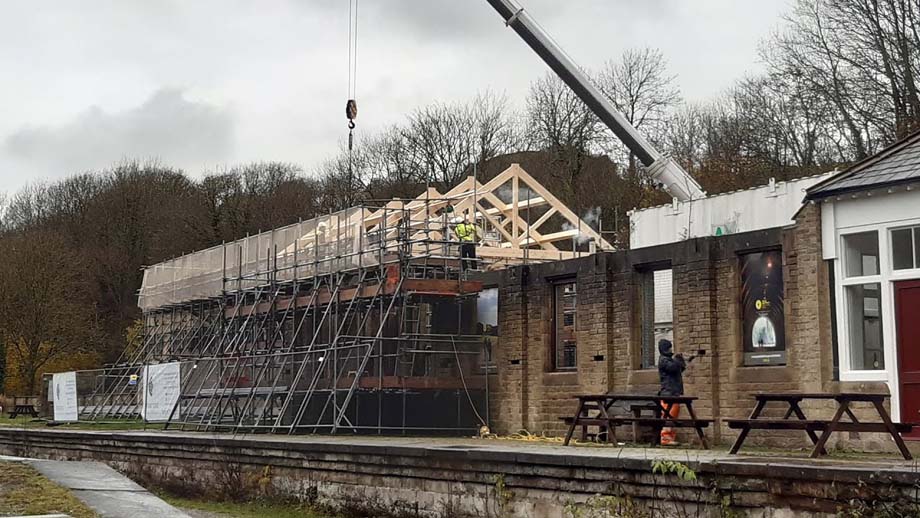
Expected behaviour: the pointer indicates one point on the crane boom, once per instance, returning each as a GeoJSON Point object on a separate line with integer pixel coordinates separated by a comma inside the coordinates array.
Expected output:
{"type": "Point", "coordinates": [665, 170]}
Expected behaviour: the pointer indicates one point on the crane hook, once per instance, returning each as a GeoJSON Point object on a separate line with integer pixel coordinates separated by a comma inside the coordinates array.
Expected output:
{"type": "Point", "coordinates": [351, 111]}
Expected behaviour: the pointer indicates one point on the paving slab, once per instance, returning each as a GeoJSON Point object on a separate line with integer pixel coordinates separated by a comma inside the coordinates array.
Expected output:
{"type": "Point", "coordinates": [106, 491]}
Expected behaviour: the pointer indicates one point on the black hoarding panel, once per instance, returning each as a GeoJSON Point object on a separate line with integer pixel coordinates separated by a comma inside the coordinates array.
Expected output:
{"type": "Point", "coordinates": [764, 326]}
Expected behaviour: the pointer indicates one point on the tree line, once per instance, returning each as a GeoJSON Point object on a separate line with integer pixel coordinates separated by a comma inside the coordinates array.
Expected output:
{"type": "Point", "coordinates": [840, 83]}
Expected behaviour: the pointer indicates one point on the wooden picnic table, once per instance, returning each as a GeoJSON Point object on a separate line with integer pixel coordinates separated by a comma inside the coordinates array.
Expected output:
{"type": "Point", "coordinates": [23, 409]}
{"type": "Point", "coordinates": [594, 410]}
{"type": "Point", "coordinates": [826, 427]}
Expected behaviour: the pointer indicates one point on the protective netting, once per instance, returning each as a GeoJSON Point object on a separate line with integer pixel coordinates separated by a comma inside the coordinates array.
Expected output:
{"type": "Point", "coordinates": [322, 245]}
{"type": "Point", "coordinates": [434, 383]}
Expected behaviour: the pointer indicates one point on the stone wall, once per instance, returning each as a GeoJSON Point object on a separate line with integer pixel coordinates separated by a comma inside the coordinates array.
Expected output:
{"type": "Point", "coordinates": [428, 478]}
{"type": "Point", "coordinates": [707, 315]}
{"type": "Point", "coordinates": [530, 394]}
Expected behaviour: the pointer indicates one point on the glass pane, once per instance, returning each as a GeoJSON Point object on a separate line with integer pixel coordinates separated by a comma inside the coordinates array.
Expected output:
{"type": "Point", "coordinates": [657, 313]}
{"type": "Point", "coordinates": [564, 336]}
{"type": "Point", "coordinates": [647, 315]}
{"type": "Point", "coordinates": [487, 323]}
{"type": "Point", "coordinates": [487, 312]}
{"type": "Point", "coordinates": [902, 249]}
{"type": "Point", "coordinates": [861, 254]}
{"type": "Point", "coordinates": [664, 310]}
{"type": "Point", "coordinates": [864, 313]}
{"type": "Point", "coordinates": [916, 247]}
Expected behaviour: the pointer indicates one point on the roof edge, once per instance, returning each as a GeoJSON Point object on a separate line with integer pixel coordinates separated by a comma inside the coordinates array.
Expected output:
{"type": "Point", "coordinates": [812, 194]}
{"type": "Point", "coordinates": [736, 191]}
{"type": "Point", "coordinates": [850, 190]}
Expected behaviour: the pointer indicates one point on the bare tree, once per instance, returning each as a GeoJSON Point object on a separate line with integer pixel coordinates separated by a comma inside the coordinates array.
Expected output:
{"type": "Point", "coordinates": [883, 35]}
{"type": "Point", "coordinates": [42, 297]}
{"type": "Point", "coordinates": [496, 126]}
{"type": "Point", "coordinates": [3, 228]}
{"type": "Point", "coordinates": [4, 211]}
{"type": "Point", "coordinates": [445, 139]}
{"type": "Point", "coordinates": [439, 137]}
{"type": "Point", "coordinates": [684, 137]}
{"type": "Point", "coordinates": [641, 88]}
{"type": "Point", "coordinates": [558, 119]}
{"type": "Point", "coordinates": [863, 56]}
{"type": "Point", "coordinates": [788, 123]}
{"type": "Point", "coordinates": [253, 197]}
{"type": "Point", "coordinates": [394, 170]}
{"type": "Point", "coordinates": [560, 123]}
{"type": "Point", "coordinates": [765, 126]}
{"type": "Point", "coordinates": [27, 207]}
{"type": "Point", "coordinates": [343, 179]}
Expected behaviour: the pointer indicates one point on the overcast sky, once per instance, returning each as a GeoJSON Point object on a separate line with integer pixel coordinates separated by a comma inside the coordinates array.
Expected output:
{"type": "Point", "coordinates": [209, 83]}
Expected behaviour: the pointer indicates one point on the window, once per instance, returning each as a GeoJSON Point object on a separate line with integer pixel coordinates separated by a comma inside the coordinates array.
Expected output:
{"type": "Point", "coordinates": [564, 317]}
{"type": "Point", "coordinates": [862, 298]}
{"type": "Point", "coordinates": [656, 294]}
{"type": "Point", "coordinates": [905, 248]}
{"type": "Point", "coordinates": [861, 254]}
{"type": "Point", "coordinates": [864, 318]}
{"type": "Point", "coordinates": [487, 325]}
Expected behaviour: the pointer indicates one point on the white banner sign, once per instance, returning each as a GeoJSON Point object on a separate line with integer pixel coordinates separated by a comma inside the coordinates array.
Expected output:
{"type": "Point", "coordinates": [64, 385]}
{"type": "Point", "coordinates": [159, 388]}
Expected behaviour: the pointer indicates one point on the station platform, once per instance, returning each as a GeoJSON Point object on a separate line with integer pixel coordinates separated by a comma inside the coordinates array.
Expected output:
{"type": "Point", "coordinates": [526, 478]}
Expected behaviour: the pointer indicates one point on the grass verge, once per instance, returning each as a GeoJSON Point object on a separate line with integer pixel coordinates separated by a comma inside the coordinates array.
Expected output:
{"type": "Point", "coordinates": [25, 491]}
{"type": "Point", "coordinates": [246, 509]}
{"type": "Point", "coordinates": [125, 424]}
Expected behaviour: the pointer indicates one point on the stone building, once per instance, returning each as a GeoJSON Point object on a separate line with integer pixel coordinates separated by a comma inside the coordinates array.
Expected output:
{"type": "Point", "coordinates": [613, 345]}
{"type": "Point", "coordinates": [871, 239]}
{"type": "Point", "coordinates": [752, 278]}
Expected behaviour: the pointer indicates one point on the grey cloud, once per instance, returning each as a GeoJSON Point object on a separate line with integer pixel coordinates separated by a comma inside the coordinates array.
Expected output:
{"type": "Point", "coordinates": [166, 126]}
{"type": "Point", "coordinates": [439, 20]}
{"type": "Point", "coordinates": [443, 20]}
{"type": "Point", "coordinates": [423, 19]}
{"type": "Point", "coordinates": [473, 19]}
{"type": "Point", "coordinates": [282, 66]}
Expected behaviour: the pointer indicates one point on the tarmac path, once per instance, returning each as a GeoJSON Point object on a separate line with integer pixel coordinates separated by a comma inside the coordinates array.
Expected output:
{"type": "Point", "coordinates": [106, 491]}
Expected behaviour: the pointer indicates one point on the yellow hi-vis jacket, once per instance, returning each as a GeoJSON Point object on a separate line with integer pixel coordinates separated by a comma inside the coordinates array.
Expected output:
{"type": "Point", "coordinates": [466, 232]}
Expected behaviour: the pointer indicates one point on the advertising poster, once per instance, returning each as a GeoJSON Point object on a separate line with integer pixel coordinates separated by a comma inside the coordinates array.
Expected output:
{"type": "Point", "coordinates": [159, 389]}
{"type": "Point", "coordinates": [65, 396]}
{"type": "Point", "coordinates": [763, 314]}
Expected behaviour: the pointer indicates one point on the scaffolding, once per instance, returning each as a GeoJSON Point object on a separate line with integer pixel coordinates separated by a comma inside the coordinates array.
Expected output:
{"type": "Point", "coordinates": [359, 321]}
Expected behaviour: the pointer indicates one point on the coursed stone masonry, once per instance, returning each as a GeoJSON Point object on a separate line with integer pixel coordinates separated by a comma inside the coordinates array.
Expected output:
{"type": "Point", "coordinates": [707, 315]}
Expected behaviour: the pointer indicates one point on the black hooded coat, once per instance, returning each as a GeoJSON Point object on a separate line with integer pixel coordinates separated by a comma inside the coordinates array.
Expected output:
{"type": "Point", "coordinates": [670, 370]}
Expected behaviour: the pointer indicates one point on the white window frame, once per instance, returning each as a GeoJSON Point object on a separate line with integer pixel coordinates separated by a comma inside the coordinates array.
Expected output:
{"type": "Point", "coordinates": [887, 277]}
{"type": "Point", "coordinates": [650, 272]}
{"type": "Point", "coordinates": [843, 317]}
{"type": "Point", "coordinates": [906, 273]}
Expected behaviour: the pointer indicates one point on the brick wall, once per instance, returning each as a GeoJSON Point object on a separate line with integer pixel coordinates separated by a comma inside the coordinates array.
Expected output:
{"type": "Point", "coordinates": [707, 315]}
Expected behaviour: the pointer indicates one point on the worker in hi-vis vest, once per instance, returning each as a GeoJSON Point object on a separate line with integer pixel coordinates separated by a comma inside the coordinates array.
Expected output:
{"type": "Point", "coordinates": [468, 236]}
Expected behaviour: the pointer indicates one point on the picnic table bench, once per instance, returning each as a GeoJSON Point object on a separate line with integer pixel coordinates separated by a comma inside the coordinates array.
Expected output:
{"type": "Point", "coordinates": [595, 410]}
{"type": "Point", "coordinates": [826, 427]}
{"type": "Point", "coordinates": [23, 409]}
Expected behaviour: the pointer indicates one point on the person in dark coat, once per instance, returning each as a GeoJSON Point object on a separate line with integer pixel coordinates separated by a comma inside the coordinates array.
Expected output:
{"type": "Point", "coordinates": [670, 369]}
{"type": "Point", "coordinates": [671, 374]}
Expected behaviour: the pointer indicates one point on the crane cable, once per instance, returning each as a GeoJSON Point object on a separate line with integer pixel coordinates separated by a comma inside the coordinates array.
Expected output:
{"type": "Point", "coordinates": [351, 107]}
